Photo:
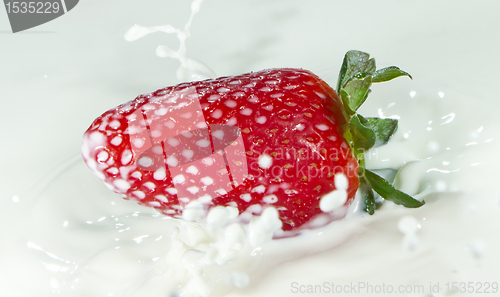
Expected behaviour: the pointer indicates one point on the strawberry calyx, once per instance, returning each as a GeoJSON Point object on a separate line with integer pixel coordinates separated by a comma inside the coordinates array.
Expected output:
{"type": "Point", "coordinates": [357, 74]}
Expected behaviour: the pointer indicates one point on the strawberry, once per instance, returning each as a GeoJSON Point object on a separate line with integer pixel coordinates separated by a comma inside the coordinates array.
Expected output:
{"type": "Point", "coordinates": [277, 137]}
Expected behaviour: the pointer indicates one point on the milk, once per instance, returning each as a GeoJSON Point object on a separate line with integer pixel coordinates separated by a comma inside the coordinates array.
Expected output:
{"type": "Point", "coordinates": [70, 236]}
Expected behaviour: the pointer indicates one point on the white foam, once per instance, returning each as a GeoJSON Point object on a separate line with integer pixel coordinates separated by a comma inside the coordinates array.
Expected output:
{"type": "Point", "coordinates": [121, 184]}
{"type": "Point", "coordinates": [341, 181]}
{"type": "Point", "coordinates": [265, 161]}
{"type": "Point", "coordinates": [179, 179]}
{"type": "Point", "coordinates": [207, 180]}
{"type": "Point", "coordinates": [192, 170]}
{"type": "Point", "coordinates": [333, 200]}
{"type": "Point", "coordinates": [172, 161]}
{"type": "Point", "coordinates": [262, 228]}
{"type": "Point", "coordinates": [261, 120]}
{"type": "Point", "coordinates": [160, 174]}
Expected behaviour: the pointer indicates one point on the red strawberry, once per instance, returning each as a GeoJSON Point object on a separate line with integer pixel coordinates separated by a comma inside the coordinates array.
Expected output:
{"type": "Point", "coordinates": [275, 137]}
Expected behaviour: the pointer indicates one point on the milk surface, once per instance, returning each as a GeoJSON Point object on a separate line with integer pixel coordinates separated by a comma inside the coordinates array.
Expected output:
{"type": "Point", "coordinates": [65, 234]}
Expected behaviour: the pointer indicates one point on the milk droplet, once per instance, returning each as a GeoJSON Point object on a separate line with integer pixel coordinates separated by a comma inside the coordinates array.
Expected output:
{"type": "Point", "coordinates": [190, 69]}
{"type": "Point", "coordinates": [333, 200]}
{"type": "Point", "coordinates": [341, 181]}
{"type": "Point", "coordinates": [15, 199]}
{"type": "Point", "coordinates": [265, 161]}
{"type": "Point", "coordinates": [239, 279]}
{"type": "Point", "coordinates": [409, 226]}
{"type": "Point", "coordinates": [262, 228]}
{"type": "Point", "coordinates": [54, 283]}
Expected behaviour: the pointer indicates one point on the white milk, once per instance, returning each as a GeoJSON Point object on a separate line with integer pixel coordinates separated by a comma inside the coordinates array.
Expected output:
{"type": "Point", "coordinates": [78, 239]}
{"type": "Point", "coordinates": [101, 245]}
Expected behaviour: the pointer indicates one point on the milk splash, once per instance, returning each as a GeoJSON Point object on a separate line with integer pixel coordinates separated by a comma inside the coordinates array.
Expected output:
{"type": "Point", "coordinates": [209, 260]}
{"type": "Point", "coordinates": [214, 258]}
{"type": "Point", "coordinates": [218, 256]}
{"type": "Point", "coordinates": [190, 69]}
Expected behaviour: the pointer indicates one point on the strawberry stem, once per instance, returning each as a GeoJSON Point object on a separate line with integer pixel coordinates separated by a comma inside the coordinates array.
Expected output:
{"type": "Point", "coordinates": [356, 76]}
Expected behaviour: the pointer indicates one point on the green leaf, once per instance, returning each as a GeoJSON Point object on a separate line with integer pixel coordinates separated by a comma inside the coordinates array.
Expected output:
{"type": "Point", "coordinates": [388, 73]}
{"type": "Point", "coordinates": [358, 90]}
{"type": "Point", "coordinates": [383, 128]}
{"type": "Point", "coordinates": [345, 100]}
{"type": "Point", "coordinates": [388, 192]}
{"type": "Point", "coordinates": [370, 205]}
{"type": "Point", "coordinates": [363, 137]}
{"type": "Point", "coordinates": [368, 197]}
{"type": "Point", "coordinates": [356, 76]}
{"type": "Point", "coordinates": [355, 63]}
